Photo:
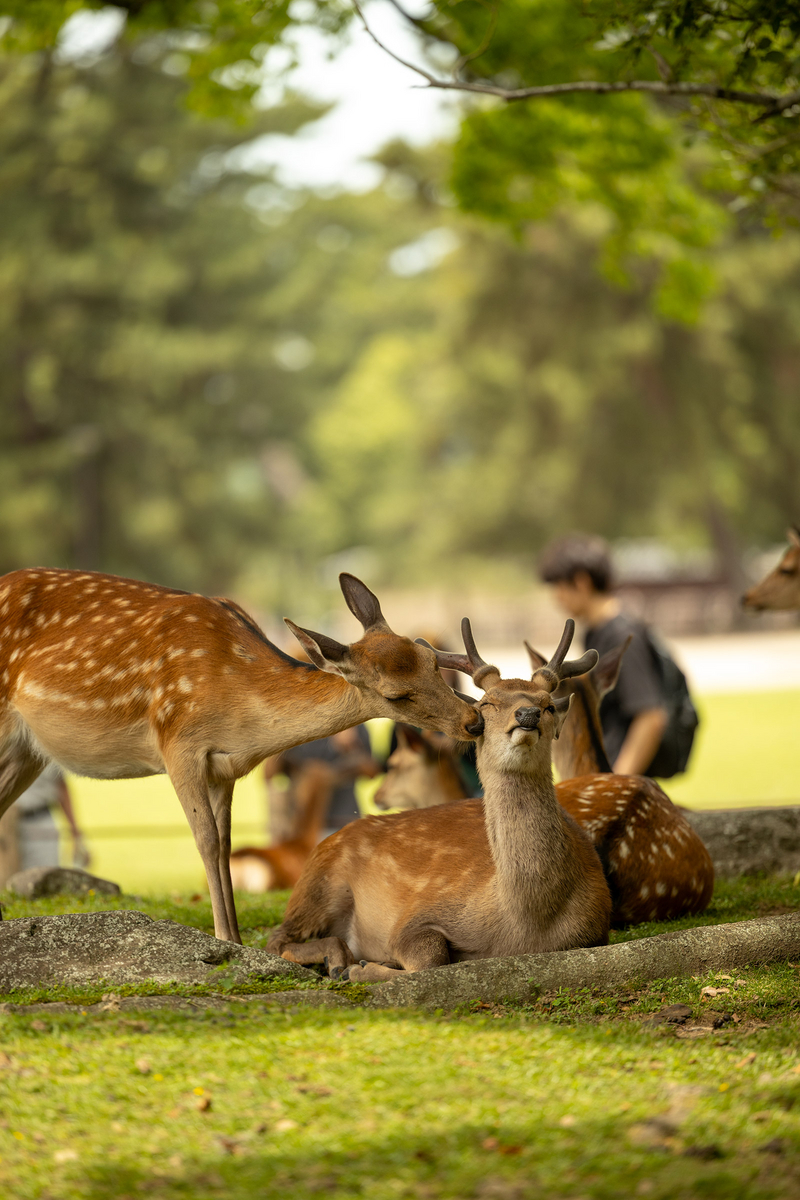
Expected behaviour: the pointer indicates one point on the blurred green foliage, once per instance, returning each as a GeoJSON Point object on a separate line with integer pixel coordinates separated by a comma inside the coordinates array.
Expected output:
{"type": "Point", "coordinates": [221, 385]}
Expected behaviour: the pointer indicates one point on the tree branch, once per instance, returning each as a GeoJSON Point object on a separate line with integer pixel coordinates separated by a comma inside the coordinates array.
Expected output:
{"type": "Point", "coordinates": [774, 104]}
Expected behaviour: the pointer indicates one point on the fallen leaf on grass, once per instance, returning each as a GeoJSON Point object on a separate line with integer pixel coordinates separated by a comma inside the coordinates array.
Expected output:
{"type": "Point", "coordinates": [567, 1120]}
{"type": "Point", "coordinates": [284, 1125]}
{"type": "Point", "coordinates": [38, 1026]}
{"type": "Point", "coordinates": [492, 1143]}
{"type": "Point", "coordinates": [230, 1145]}
{"type": "Point", "coordinates": [203, 1104]}
{"type": "Point", "coordinates": [714, 991]}
{"type": "Point", "coordinates": [142, 1066]}
{"type": "Point", "coordinates": [64, 1156]}
{"type": "Point", "coordinates": [745, 1062]}
{"type": "Point", "coordinates": [5, 1061]}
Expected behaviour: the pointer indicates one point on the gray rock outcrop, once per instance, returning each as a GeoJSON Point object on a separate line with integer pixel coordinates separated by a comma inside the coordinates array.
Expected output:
{"type": "Point", "coordinates": [667, 956]}
{"type": "Point", "coordinates": [125, 947]}
{"type": "Point", "coordinates": [749, 841]}
{"type": "Point", "coordinates": [53, 881]}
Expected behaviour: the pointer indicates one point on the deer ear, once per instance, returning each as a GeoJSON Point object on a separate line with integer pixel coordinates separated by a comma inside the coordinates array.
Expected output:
{"type": "Point", "coordinates": [324, 652]}
{"type": "Point", "coordinates": [793, 534]}
{"type": "Point", "coordinates": [606, 673]}
{"type": "Point", "coordinates": [410, 738]}
{"type": "Point", "coordinates": [562, 707]}
{"type": "Point", "coordinates": [363, 604]}
{"type": "Point", "coordinates": [537, 660]}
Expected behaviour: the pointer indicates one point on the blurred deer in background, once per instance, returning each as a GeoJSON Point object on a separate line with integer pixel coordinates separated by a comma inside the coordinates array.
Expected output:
{"type": "Point", "coordinates": [265, 868]}
{"type": "Point", "coordinates": [319, 773]}
{"type": "Point", "coordinates": [117, 679]}
{"type": "Point", "coordinates": [780, 589]}
{"type": "Point", "coordinates": [420, 773]}
{"type": "Point", "coordinates": [509, 874]}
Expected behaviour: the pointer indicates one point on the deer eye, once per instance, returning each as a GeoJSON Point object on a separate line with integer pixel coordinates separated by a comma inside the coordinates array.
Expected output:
{"type": "Point", "coordinates": [396, 699]}
{"type": "Point", "coordinates": [550, 708]}
{"type": "Point", "coordinates": [787, 570]}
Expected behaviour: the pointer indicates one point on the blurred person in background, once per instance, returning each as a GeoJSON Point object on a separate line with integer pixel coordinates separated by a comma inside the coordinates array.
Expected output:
{"type": "Point", "coordinates": [634, 714]}
{"type": "Point", "coordinates": [37, 831]}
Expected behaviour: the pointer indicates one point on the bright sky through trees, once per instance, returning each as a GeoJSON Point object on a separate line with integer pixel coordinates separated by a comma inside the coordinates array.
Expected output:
{"type": "Point", "coordinates": [374, 99]}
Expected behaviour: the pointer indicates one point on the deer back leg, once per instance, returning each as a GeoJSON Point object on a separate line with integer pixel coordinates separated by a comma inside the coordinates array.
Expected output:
{"type": "Point", "coordinates": [415, 950]}
{"type": "Point", "coordinates": [19, 767]}
{"type": "Point", "coordinates": [221, 802]}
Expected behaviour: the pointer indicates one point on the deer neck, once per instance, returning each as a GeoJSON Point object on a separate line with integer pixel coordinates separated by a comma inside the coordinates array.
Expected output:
{"type": "Point", "coordinates": [529, 842]}
{"type": "Point", "coordinates": [307, 704]}
{"type": "Point", "coordinates": [580, 749]}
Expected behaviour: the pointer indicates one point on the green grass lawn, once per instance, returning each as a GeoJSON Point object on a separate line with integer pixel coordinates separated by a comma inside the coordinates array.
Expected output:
{"type": "Point", "coordinates": [572, 1096]}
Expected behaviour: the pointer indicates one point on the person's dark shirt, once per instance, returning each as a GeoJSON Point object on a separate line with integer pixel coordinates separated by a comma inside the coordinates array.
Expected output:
{"type": "Point", "coordinates": [638, 687]}
{"type": "Point", "coordinates": [343, 807]}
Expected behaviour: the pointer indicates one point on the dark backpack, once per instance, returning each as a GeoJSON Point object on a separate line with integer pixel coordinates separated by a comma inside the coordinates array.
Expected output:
{"type": "Point", "coordinates": [672, 755]}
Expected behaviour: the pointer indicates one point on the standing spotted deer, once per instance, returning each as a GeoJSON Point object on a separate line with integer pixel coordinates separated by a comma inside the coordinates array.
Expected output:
{"type": "Point", "coordinates": [780, 589]}
{"type": "Point", "coordinates": [117, 679]}
{"type": "Point", "coordinates": [509, 874]}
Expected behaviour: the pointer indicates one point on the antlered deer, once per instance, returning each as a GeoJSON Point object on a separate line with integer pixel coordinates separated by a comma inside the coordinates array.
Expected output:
{"type": "Point", "coordinates": [118, 679]}
{"type": "Point", "coordinates": [656, 866]}
{"type": "Point", "coordinates": [509, 874]}
{"type": "Point", "coordinates": [780, 589]}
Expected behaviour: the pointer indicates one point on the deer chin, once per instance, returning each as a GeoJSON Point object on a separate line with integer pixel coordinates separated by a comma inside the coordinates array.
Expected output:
{"type": "Point", "coordinates": [524, 737]}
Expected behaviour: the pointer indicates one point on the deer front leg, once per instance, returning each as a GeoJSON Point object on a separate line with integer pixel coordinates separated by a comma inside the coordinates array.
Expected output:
{"type": "Point", "coordinates": [221, 801]}
{"type": "Point", "coordinates": [331, 951]}
{"type": "Point", "coordinates": [192, 790]}
{"type": "Point", "coordinates": [416, 950]}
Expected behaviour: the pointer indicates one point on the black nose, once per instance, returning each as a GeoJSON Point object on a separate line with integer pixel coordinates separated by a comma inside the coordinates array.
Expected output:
{"type": "Point", "coordinates": [476, 728]}
{"type": "Point", "coordinates": [528, 718]}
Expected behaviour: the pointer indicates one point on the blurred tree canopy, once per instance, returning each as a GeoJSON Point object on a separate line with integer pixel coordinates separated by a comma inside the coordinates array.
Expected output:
{"type": "Point", "coordinates": [215, 383]}
{"type": "Point", "coordinates": [712, 129]}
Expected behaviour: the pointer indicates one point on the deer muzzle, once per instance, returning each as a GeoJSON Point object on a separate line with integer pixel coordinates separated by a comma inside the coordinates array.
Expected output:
{"type": "Point", "coordinates": [528, 718]}
{"type": "Point", "coordinates": [475, 728]}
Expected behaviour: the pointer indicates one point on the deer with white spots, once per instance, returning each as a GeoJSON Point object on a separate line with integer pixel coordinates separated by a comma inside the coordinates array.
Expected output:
{"type": "Point", "coordinates": [780, 589]}
{"type": "Point", "coordinates": [509, 874]}
{"type": "Point", "coordinates": [116, 679]}
{"type": "Point", "coordinates": [656, 865]}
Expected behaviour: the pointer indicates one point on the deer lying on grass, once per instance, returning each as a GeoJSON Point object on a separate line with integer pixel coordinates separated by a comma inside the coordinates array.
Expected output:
{"type": "Point", "coordinates": [780, 589]}
{"type": "Point", "coordinates": [117, 679]}
{"type": "Point", "coordinates": [656, 866]}
{"type": "Point", "coordinates": [511, 874]}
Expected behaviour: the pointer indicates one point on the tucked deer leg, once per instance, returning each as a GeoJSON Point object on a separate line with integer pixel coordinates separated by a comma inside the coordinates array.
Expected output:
{"type": "Point", "coordinates": [193, 794]}
{"type": "Point", "coordinates": [417, 950]}
{"type": "Point", "coordinates": [331, 950]}
{"type": "Point", "coordinates": [221, 801]}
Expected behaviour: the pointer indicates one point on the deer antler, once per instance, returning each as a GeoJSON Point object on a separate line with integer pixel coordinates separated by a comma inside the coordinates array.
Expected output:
{"type": "Point", "coordinates": [550, 674]}
{"type": "Point", "coordinates": [470, 663]}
